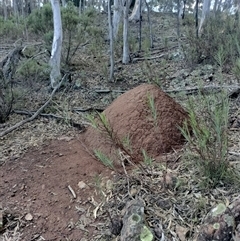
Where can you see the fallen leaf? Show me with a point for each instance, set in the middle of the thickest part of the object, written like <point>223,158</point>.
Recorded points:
<point>29,217</point>
<point>181,232</point>
<point>82,185</point>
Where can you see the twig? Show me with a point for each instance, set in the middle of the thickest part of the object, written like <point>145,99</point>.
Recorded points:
<point>72,191</point>
<point>234,153</point>
<point>10,129</point>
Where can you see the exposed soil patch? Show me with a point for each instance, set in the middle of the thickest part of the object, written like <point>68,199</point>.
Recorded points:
<point>37,184</point>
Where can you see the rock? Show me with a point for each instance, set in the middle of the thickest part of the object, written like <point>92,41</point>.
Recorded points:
<point>221,222</point>
<point>131,117</point>
<point>134,227</point>
<point>29,217</point>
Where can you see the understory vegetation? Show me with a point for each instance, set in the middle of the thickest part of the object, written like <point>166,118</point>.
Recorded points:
<point>201,72</point>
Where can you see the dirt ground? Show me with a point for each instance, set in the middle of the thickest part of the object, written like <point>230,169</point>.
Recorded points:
<point>38,185</point>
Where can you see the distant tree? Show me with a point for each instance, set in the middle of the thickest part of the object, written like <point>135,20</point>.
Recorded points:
<point>126,55</point>
<point>196,17</point>
<point>55,59</point>
<point>149,24</point>
<point>5,9</point>
<point>117,16</point>
<point>137,11</point>
<point>111,41</point>
<point>205,12</point>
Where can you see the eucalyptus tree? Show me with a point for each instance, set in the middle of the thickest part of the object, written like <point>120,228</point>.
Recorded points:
<point>55,59</point>
<point>117,16</point>
<point>137,11</point>
<point>126,55</point>
<point>111,41</point>
<point>205,13</point>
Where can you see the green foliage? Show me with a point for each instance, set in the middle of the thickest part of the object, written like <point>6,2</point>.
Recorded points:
<point>11,28</point>
<point>148,161</point>
<point>92,119</point>
<point>236,69</point>
<point>6,99</point>
<point>126,142</point>
<point>40,21</point>
<point>152,107</point>
<point>70,17</point>
<point>31,70</point>
<point>104,159</point>
<point>218,42</point>
<point>206,133</point>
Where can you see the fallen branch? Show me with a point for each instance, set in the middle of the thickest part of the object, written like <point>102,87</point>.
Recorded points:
<point>71,122</point>
<point>148,58</point>
<point>206,89</point>
<point>10,129</point>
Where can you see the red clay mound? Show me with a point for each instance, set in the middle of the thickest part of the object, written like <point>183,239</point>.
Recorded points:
<point>131,117</point>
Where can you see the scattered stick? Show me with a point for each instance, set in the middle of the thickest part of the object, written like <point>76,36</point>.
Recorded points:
<point>10,129</point>
<point>234,153</point>
<point>72,191</point>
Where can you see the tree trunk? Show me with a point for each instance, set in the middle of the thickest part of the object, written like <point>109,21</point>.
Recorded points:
<point>5,9</point>
<point>179,16</point>
<point>126,57</point>
<point>149,25</point>
<point>140,26</point>
<point>55,59</point>
<point>15,8</point>
<point>117,16</point>
<point>205,12</point>
<point>196,18</point>
<point>111,42</point>
<point>64,4</point>
<point>215,6</point>
<point>136,11</point>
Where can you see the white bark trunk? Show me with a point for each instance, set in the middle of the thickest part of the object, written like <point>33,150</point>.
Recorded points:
<point>5,9</point>
<point>117,16</point>
<point>205,11</point>
<point>126,57</point>
<point>55,59</point>
<point>136,11</point>
<point>64,4</point>
<point>111,41</point>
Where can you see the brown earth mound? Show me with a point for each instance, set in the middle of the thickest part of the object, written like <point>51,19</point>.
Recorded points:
<point>132,118</point>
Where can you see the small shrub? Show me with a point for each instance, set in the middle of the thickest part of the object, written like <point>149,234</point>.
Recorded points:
<point>32,71</point>
<point>11,28</point>
<point>218,43</point>
<point>206,133</point>
<point>40,21</point>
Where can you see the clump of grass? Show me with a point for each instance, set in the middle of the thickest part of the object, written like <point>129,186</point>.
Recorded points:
<point>93,122</point>
<point>104,159</point>
<point>148,161</point>
<point>207,135</point>
<point>152,107</point>
<point>126,142</point>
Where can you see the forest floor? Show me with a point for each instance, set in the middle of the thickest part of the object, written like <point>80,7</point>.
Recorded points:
<point>52,186</point>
